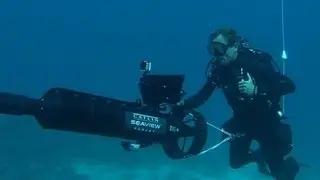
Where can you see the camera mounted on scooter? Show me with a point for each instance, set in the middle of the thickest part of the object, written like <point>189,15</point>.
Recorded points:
<point>158,89</point>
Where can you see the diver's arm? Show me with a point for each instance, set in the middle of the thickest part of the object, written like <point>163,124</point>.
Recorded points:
<point>202,96</point>
<point>272,83</point>
<point>282,86</point>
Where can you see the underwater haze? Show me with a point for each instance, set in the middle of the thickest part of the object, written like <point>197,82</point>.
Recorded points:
<point>96,46</point>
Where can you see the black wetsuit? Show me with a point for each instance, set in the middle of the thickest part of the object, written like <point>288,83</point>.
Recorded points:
<point>256,118</point>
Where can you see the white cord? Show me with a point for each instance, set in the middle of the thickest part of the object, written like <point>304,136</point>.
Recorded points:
<point>215,146</point>
<point>219,129</point>
<point>284,53</point>
<point>282,27</point>
<point>230,136</point>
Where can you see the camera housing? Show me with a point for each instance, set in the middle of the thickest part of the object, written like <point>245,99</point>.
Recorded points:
<point>158,89</point>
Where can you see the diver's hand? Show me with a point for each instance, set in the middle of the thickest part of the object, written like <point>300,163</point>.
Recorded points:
<point>180,103</point>
<point>247,87</point>
<point>165,108</point>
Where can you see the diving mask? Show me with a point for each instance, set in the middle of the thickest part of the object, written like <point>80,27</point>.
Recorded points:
<point>217,48</point>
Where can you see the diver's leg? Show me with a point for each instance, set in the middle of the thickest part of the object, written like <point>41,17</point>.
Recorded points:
<point>239,154</point>
<point>275,144</point>
<point>257,156</point>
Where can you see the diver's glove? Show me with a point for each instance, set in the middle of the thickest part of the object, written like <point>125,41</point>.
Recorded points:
<point>247,86</point>
<point>129,146</point>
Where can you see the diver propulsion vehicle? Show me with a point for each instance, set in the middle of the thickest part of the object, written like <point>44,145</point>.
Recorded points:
<point>143,120</point>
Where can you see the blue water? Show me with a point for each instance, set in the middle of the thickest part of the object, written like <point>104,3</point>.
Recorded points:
<point>96,46</point>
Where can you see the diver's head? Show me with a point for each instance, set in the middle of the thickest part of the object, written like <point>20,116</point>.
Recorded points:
<point>222,44</point>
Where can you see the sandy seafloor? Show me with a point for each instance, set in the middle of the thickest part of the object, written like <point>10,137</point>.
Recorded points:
<point>34,154</point>
<point>88,169</point>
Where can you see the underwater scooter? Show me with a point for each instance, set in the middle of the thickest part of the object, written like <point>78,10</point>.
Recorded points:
<point>144,120</point>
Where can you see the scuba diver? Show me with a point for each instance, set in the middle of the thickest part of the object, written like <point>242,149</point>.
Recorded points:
<point>253,87</point>
<point>143,121</point>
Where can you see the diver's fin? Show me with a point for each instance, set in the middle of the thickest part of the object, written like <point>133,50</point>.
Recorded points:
<point>291,169</point>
